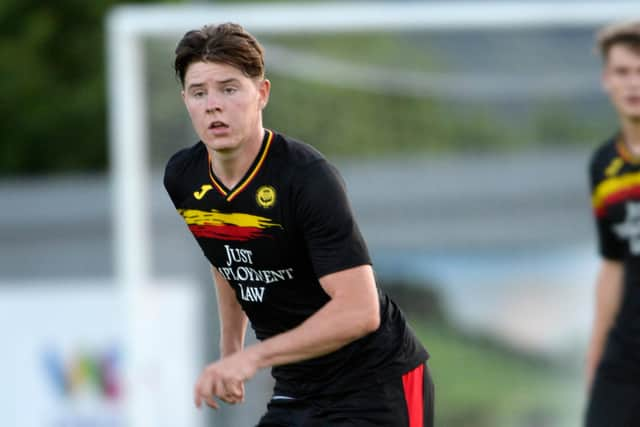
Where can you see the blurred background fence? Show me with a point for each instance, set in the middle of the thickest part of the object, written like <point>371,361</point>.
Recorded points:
<point>464,152</point>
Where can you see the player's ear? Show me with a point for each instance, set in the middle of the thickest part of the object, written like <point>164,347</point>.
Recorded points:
<point>182,95</point>
<point>605,79</point>
<point>264,89</point>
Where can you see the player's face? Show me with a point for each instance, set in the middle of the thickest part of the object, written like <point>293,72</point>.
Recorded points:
<point>225,106</point>
<point>621,80</point>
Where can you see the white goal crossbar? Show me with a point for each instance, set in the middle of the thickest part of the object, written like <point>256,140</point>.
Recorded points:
<point>128,25</point>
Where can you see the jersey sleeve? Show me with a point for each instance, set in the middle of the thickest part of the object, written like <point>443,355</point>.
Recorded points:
<point>173,177</point>
<point>325,218</point>
<point>609,245</point>
<point>169,181</point>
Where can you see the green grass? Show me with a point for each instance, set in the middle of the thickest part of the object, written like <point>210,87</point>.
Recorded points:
<point>482,384</point>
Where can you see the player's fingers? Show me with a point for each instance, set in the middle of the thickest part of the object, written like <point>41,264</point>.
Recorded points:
<point>217,389</point>
<point>202,389</point>
<point>211,402</point>
<point>237,391</point>
<point>196,395</point>
<point>227,398</point>
<point>232,399</point>
<point>234,388</point>
<point>242,392</point>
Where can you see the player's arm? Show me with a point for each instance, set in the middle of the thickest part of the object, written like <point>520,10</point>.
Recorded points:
<point>213,382</point>
<point>233,320</point>
<point>340,259</point>
<point>609,291</point>
<point>352,312</point>
<point>609,281</point>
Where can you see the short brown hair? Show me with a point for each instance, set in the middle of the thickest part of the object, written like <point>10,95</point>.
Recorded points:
<point>626,33</point>
<point>226,43</point>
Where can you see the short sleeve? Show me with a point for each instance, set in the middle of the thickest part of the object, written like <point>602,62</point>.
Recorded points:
<point>176,174</point>
<point>170,181</point>
<point>610,246</point>
<point>324,216</point>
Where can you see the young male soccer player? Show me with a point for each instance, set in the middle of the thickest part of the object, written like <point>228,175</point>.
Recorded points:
<point>272,218</point>
<point>613,360</point>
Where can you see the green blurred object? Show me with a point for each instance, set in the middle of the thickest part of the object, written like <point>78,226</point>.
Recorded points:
<point>53,85</point>
<point>481,383</point>
<point>351,95</point>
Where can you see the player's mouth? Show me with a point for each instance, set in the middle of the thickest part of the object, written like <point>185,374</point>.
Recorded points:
<point>218,127</point>
<point>633,99</point>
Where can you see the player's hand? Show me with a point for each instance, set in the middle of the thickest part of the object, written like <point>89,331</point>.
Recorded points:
<point>224,380</point>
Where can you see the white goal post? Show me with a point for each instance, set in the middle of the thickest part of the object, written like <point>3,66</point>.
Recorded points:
<point>128,135</point>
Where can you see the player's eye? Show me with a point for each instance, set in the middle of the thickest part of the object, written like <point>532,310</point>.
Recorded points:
<point>621,71</point>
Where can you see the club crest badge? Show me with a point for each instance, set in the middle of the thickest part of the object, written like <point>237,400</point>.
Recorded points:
<point>266,196</point>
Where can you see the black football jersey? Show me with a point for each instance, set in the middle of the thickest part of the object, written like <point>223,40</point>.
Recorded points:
<point>615,196</point>
<point>287,223</point>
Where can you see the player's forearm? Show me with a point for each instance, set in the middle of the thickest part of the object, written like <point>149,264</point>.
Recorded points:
<point>233,324</point>
<point>594,352</point>
<point>233,320</point>
<point>232,334</point>
<point>602,324</point>
<point>332,327</point>
<point>609,289</point>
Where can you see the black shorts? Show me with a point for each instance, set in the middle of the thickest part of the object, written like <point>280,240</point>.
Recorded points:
<point>614,400</point>
<point>404,402</point>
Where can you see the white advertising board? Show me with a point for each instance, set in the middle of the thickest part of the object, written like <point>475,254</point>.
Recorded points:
<point>62,358</point>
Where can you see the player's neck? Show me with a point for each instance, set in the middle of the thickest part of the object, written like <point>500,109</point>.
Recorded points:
<point>631,135</point>
<point>231,166</point>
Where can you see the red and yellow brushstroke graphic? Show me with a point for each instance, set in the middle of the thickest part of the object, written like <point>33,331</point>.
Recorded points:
<point>615,189</point>
<point>226,226</point>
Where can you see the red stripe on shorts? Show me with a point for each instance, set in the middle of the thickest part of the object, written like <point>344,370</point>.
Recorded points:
<point>413,383</point>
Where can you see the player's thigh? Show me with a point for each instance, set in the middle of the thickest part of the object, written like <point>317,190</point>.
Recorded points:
<point>380,406</point>
<point>285,413</point>
<point>386,405</point>
<point>613,403</point>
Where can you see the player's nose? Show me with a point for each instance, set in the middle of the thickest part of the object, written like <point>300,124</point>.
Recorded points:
<point>213,103</point>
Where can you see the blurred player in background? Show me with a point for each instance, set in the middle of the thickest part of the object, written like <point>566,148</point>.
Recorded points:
<point>271,216</point>
<point>613,359</point>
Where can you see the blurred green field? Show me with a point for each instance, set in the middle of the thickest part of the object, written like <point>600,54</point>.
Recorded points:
<point>482,384</point>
